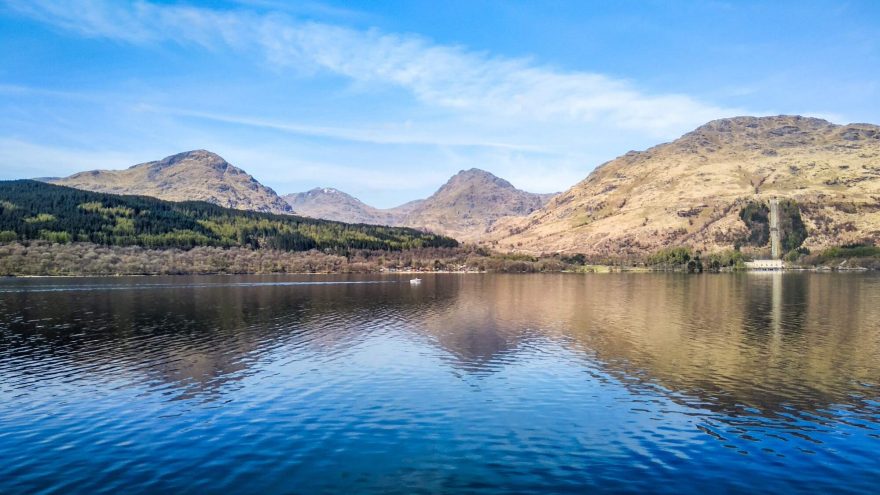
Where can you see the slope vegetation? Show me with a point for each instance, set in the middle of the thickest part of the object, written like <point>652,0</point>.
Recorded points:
<point>32,210</point>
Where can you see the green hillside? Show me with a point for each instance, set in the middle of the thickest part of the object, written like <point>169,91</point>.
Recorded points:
<point>31,210</point>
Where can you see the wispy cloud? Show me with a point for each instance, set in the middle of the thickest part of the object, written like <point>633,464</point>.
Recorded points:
<point>375,134</point>
<point>442,76</point>
<point>357,177</point>
<point>312,9</point>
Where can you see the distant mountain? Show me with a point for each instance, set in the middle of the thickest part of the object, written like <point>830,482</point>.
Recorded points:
<point>464,208</point>
<point>701,189</point>
<point>470,203</point>
<point>191,176</point>
<point>332,204</point>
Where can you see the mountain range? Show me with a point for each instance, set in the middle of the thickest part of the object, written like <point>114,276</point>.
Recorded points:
<point>465,207</point>
<point>694,191</point>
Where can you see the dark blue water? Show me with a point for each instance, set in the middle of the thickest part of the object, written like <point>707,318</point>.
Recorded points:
<point>464,384</point>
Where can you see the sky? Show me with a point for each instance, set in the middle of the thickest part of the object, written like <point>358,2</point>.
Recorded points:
<point>386,100</point>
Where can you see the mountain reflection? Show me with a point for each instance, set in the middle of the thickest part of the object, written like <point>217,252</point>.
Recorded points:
<point>726,343</point>
<point>768,342</point>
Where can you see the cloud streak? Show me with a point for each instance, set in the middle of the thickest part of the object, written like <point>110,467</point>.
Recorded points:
<point>388,134</point>
<point>473,84</point>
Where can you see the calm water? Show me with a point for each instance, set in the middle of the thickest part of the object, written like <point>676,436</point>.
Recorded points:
<point>465,384</point>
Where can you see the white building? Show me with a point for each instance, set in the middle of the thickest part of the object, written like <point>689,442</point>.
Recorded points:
<point>765,265</point>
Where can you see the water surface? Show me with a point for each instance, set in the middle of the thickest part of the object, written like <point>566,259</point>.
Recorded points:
<point>463,384</point>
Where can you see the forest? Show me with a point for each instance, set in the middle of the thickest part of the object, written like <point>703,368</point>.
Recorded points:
<point>32,210</point>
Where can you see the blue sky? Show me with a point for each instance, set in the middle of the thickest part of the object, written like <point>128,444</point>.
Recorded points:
<point>386,100</point>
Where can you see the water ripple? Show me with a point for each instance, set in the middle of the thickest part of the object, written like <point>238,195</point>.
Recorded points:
<point>478,384</point>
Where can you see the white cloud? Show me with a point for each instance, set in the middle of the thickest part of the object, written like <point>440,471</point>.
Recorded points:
<point>384,134</point>
<point>448,77</point>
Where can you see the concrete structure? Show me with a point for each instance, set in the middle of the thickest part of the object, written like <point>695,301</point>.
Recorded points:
<point>775,240</point>
<point>765,265</point>
<point>774,263</point>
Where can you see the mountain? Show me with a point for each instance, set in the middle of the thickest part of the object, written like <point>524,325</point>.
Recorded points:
<point>332,204</point>
<point>464,208</point>
<point>709,187</point>
<point>191,176</point>
<point>469,204</point>
<point>35,210</point>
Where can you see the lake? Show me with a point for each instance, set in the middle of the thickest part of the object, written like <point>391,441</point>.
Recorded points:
<point>663,383</point>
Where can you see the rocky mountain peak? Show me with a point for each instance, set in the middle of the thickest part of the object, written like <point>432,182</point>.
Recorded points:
<point>194,157</point>
<point>475,177</point>
<point>772,122</point>
<point>777,130</point>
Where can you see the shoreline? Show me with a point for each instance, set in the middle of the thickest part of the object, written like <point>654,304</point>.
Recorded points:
<point>42,259</point>
<point>609,269</point>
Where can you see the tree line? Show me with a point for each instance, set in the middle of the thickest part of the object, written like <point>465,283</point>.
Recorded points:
<point>32,210</point>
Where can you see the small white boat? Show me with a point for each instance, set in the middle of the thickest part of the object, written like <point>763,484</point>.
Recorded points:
<point>415,281</point>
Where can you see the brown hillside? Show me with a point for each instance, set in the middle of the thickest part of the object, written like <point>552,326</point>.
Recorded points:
<point>691,191</point>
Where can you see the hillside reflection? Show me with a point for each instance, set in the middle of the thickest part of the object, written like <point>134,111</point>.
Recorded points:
<point>727,343</point>
<point>766,342</point>
<point>770,343</point>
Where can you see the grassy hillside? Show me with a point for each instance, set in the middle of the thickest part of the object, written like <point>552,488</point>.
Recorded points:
<point>31,210</point>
